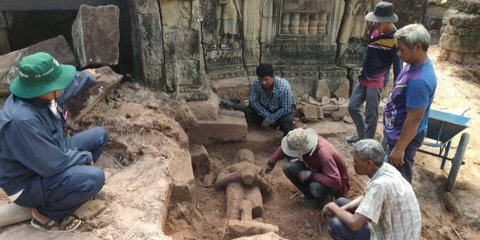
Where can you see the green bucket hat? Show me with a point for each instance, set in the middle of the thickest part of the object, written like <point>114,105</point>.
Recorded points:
<point>40,73</point>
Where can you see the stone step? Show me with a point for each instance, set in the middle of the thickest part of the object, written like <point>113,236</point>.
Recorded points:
<point>224,129</point>
<point>233,87</point>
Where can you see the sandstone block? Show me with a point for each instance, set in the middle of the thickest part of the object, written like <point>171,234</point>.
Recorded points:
<point>96,35</point>
<point>236,88</point>
<point>236,228</point>
<point>340,114</point>
<point>57,47</point>
<point>342,90</point>
<point>469,6</point>
<point>86,99</point>
<point>322,89</point>
<point>463,44</point>
<point>310,113</point>
<point>465,20</point>
<point>205,110</point>
<point>224,129</point>
<point>200,160</point>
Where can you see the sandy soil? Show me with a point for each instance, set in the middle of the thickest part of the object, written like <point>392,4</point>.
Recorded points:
<point>453,215</point>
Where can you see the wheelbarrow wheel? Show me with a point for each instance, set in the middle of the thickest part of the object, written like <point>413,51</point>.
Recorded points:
<point>457,161</point>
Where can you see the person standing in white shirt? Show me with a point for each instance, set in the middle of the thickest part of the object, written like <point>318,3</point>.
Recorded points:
<point>389,207</point>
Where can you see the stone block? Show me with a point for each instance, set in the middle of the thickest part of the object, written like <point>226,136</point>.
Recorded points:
<point>182,179</point>
<point>88,98</point>
<point>183,71</point>
<point>57,47</point>
<point>462,44</point>
<point>235,87</point>
<point>200,160</point>
<point>205,110</point>
<point>12,213</point>
<point>340,114</point>
<point>465,20</point>
<point>310,113</point>
<point>468,6</point>
<point>342,90</point>
<point>96,35</point>
<point>237,228</point>
<point>147,35</point>
<point>322,89</point>
<point>224,129</point>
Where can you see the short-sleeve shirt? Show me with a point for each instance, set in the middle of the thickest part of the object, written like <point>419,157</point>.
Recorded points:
<point>414,88</point>
<point>391,206</point>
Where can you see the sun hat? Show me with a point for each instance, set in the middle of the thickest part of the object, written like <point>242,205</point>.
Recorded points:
<point>299,141</point>
<point>40,73</point>
<point>383,13</point>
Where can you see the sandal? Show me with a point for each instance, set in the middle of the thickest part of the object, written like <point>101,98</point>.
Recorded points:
<point>69,224</point>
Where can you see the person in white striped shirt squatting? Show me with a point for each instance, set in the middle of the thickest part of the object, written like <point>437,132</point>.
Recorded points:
<point>387,210</point>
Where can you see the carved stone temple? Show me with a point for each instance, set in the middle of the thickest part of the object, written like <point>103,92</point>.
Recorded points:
<point>191,46</point>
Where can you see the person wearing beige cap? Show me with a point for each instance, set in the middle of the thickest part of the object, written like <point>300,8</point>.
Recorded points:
<point>320,174</point>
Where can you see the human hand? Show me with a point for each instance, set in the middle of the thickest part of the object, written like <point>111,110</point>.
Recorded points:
<point>326,211</point>
<point>304,175</point>
<point>93,72</point>
<point>268,168</point>
<point>396,157</point>
<point>265,124</point>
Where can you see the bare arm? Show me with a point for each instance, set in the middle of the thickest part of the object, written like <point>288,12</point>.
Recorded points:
<point>353,221</point>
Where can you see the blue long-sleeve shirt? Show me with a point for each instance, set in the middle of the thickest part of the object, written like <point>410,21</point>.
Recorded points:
<point>32,139</point>
<point>274,105</point>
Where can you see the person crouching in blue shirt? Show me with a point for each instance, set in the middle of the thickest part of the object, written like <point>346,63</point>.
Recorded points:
<point>271,101</point>
<point>40,168</point>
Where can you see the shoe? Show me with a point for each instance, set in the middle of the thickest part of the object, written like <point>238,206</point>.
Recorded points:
<point>351,139</point>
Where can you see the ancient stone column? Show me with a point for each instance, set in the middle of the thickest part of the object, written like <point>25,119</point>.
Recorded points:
<point>322,23</point>
<point>303,27</point>
<point>313,24</point>
<point>294,23</point>
<point>285,23</point>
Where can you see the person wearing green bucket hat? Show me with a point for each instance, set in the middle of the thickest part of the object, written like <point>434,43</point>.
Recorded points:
<point>40,168</point>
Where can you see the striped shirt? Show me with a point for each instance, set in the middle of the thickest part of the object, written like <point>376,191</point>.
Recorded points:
<point>274,105</point>
<point>391,206</point>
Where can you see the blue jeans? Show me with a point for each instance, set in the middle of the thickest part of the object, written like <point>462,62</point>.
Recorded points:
<point>285,123</point>
<point>310,189</point>
<point>409,155</point>
<point>59,196</point>
<point>340,231</point>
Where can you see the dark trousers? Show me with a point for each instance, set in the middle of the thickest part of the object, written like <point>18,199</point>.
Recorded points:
<point>285,123</point>
<point>61,195</point>
<point>310,189</point>
<point>340,231</point>
<point>365,121</point>
<point>409,155</point>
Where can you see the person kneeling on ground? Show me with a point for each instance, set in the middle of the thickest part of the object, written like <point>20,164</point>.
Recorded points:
<point>39,167</point>
<point>389,204</point>
<point>321,175</point>
<point>271,101</point>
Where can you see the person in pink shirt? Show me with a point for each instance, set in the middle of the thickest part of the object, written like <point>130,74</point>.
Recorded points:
<point>315,168</point>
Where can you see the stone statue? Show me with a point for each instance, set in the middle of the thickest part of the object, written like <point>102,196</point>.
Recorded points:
<point>227,13</point>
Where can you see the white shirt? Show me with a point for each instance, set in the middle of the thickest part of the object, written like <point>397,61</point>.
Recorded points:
<point>391,206</point>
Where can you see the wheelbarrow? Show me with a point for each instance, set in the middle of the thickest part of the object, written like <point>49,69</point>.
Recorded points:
<point>442,128</point>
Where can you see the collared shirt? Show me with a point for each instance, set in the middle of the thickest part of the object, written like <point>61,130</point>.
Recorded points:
<point>391,206</point>
<point>326,164</point>
<point>274,105</point>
